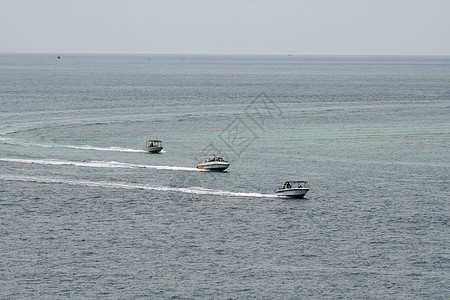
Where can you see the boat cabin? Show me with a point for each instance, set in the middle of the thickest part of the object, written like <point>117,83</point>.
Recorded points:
<point>153,143</point>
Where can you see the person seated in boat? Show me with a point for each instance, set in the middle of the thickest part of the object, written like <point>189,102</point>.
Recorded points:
<point>151,144</point>
<point>300,185</point>
<point>288,185</point>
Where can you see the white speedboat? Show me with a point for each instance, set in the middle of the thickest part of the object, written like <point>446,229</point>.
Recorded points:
<point>293,189</point>
<point>213,163</point>
<point>153,146</point>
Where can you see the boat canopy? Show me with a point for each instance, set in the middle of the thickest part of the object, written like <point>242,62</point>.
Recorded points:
<point>157,141</point>
<point>297,181</point>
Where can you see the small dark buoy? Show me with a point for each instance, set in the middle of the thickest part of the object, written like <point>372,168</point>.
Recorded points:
<point>59,57</point>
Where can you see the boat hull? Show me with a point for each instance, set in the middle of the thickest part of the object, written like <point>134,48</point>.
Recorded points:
<point>292,193</point>
<point>153,149</point>
<point>217,167</point>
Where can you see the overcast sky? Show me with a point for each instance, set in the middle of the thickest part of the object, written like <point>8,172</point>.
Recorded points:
<point>410,27</point>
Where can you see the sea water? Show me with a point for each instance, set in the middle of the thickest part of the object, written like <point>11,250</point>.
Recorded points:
<point>86,213</point>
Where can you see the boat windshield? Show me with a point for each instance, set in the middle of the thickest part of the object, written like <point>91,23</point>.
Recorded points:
<point>214,158</point>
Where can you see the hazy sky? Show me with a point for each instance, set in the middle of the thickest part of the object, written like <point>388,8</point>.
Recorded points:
<point>412,27</point>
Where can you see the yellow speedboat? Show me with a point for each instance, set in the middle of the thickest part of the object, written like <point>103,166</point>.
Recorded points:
<point>213,163</point>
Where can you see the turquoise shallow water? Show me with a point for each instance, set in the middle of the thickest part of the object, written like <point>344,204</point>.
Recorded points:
<point>86,213</point>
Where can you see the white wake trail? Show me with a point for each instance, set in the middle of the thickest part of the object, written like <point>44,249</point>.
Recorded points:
<point>87,147</point>
<point>129,186</point>
<point>78,147</point>
<point>96,164</point>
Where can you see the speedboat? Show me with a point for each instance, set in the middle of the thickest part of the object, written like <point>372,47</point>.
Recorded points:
<point>213,163</point>
<point>153,146</point>
<point>293,189</point>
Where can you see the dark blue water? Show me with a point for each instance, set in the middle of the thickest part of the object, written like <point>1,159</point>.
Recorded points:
<point>86,213</point>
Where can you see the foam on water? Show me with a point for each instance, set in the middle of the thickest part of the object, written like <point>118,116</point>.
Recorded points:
<point>87,147</point>
<point>96,164</point>
<point>79,147</point>
<point>130,186</point>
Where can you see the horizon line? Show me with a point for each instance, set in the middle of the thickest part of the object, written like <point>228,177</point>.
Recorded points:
<point>212,54</point>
